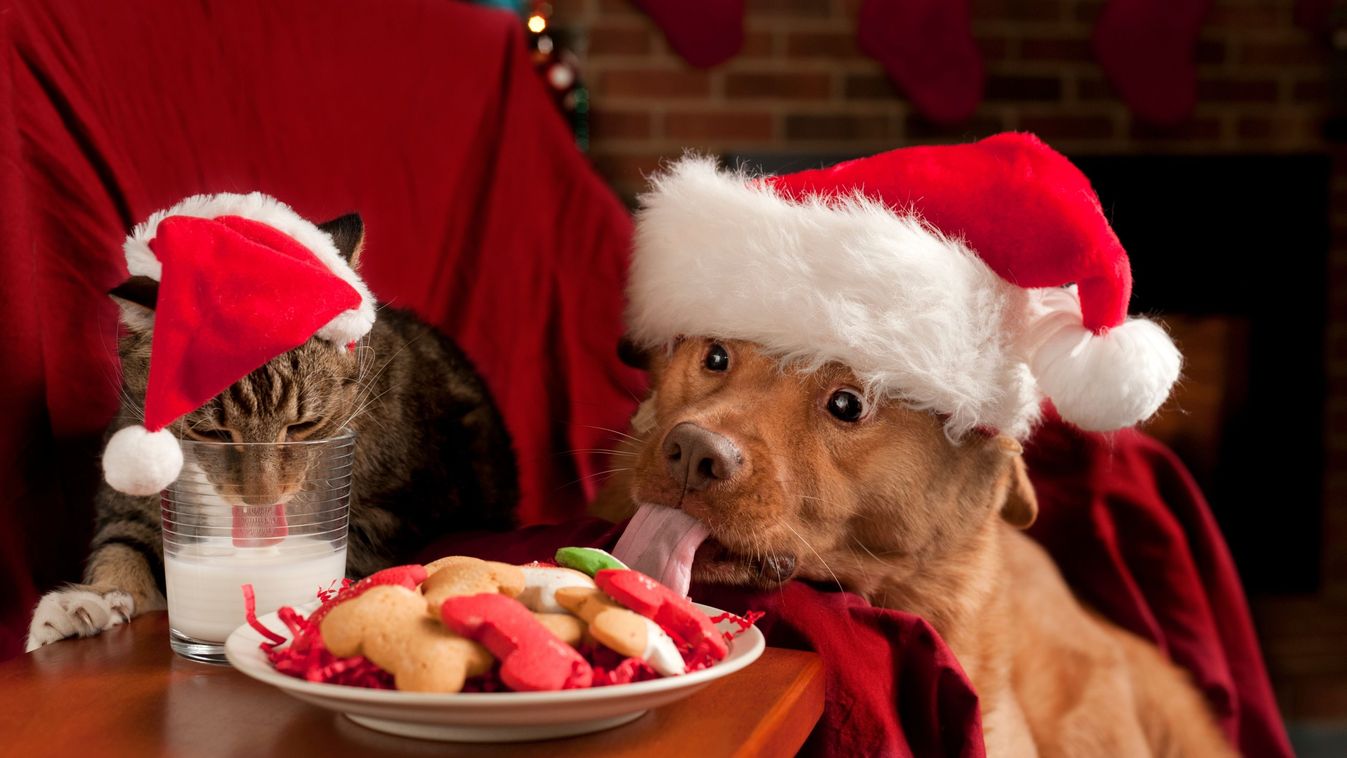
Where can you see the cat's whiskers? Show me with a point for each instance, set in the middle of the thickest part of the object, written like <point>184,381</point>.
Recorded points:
<point>369,385</point>
<point>367,403</point>
<point>365,356</point>
<point>128,403</point>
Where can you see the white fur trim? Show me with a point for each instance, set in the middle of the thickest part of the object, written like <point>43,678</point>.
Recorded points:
<point>914,314</point>
<point>140,462</point>
<point>1100,382</point>
<point>344,328</point>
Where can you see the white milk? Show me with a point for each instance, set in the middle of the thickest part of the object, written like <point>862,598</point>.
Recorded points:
<point>205,595</point>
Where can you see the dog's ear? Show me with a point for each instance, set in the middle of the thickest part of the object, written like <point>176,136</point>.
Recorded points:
<point>633,355</point>
<point>1020,507</point>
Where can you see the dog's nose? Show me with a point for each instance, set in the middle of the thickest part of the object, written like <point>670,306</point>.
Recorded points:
<point>699,457</point>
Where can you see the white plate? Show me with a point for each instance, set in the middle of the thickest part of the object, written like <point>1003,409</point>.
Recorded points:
<point>490,716</point>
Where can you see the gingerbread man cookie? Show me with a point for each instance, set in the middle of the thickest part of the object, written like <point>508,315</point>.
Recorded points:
<point>461,575</point>
<point>388,625</point>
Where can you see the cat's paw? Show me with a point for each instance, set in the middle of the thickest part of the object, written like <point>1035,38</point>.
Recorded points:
<point>77,611</point>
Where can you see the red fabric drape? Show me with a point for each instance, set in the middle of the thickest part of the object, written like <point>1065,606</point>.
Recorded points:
<point>423,115</point>
<point>1135,538</point>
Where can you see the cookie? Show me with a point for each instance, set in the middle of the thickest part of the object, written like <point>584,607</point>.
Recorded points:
<point>542,582</point>
<point>590,560</point>
<point>623,631</point>
<point>461,575</point>
<point>672,612</point>
<point>531,657</point>
<point>408,576</point>
<point>388,625</point>
<point>569,629</point>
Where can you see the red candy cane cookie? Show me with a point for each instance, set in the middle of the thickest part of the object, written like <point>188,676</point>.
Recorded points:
<point>675,613</point>
<point>531,657</point>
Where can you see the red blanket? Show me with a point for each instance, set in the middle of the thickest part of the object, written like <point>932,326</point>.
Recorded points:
<point>1132,535</point>
<point>424,115</point>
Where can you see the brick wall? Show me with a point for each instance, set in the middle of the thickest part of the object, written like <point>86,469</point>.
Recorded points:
<point>800,85</point>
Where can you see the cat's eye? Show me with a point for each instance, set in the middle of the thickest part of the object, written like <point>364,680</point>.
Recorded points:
<point>301,430</point>
<point>717,358</point>
<point>210,435</point>
<point>846,405</point>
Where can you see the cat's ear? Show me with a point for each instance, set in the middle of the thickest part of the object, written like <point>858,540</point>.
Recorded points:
<point>137,297</point>
<point>348,233</point>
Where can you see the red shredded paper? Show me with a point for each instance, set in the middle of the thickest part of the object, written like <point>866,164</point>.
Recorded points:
<point>743,622</point>
<point>305,657</point>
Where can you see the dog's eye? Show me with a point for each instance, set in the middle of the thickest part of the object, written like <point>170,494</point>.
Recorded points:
<point>846,405</point>
<point>716,359</point>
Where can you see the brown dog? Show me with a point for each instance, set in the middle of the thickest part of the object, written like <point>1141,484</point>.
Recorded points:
<point>800,475</point>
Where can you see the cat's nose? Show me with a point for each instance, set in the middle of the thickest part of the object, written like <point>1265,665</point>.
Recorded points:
<point>253,495</point>
<point>698,457</point>
<point>261,485</point>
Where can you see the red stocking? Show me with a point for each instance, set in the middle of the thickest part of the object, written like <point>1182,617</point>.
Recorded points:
<point>1147,50</point>
<point>1315,15</point>
<point>703,32</point>
<point>927,50</point>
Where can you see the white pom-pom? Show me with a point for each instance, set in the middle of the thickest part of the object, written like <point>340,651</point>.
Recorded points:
<point>1102,382</point>
<point>348,326</point>
<point>140,462</point>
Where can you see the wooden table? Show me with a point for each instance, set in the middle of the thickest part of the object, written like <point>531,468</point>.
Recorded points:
<point>126,693</point>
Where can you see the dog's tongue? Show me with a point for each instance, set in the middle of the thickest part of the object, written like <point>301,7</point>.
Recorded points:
<point>660,543</point>
<point>259,525</point>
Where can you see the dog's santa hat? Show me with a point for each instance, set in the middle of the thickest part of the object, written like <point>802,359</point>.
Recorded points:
<point>241,280</point>
<point>937,274</point>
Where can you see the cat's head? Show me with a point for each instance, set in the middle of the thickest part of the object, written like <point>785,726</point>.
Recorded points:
<point>309,393</point>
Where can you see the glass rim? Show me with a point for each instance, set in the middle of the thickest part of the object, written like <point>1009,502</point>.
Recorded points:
<point>330,536</point>
<point>178,527</point>
<point>208,488</point>
<point>347,435</point>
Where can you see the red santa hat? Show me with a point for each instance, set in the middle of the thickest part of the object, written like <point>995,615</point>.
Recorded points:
<point>242,279</point>
<point>937,274</point>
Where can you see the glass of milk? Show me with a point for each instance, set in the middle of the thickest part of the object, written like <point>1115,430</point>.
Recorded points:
<point>271,515</point>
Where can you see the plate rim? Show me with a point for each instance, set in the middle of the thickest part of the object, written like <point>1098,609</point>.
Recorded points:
<point>245,656</point>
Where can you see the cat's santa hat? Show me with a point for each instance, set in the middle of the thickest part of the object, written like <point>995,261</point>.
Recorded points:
<point>937,274</point>
<point>242,279</point>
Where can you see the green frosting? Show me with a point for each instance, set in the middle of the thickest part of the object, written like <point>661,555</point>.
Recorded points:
<point>587,559</point>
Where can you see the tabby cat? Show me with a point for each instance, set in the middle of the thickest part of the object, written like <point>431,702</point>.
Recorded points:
<point>432,454</point>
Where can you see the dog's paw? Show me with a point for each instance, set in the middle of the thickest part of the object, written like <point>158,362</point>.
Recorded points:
<point>77,611</point>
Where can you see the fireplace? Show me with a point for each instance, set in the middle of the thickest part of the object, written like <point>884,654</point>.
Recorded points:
<point>1232,251</point>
